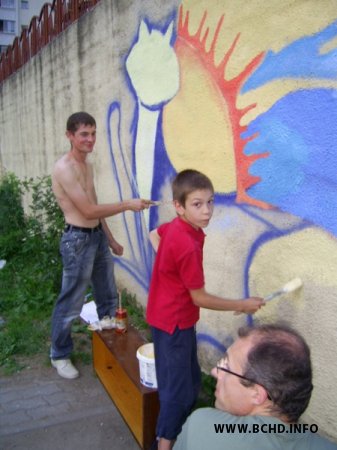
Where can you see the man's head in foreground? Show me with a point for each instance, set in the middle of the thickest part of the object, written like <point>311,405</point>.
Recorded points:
<point>267,371</point>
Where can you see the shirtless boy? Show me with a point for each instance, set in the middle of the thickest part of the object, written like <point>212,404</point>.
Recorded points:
<point>85,241</point>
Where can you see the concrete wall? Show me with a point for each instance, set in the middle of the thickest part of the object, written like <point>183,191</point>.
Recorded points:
<point>244,91</point>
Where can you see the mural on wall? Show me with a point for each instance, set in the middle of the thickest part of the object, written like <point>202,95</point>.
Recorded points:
<point>265,135</point>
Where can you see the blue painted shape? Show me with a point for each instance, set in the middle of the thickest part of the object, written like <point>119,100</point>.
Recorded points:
<point>300,59</point>
<point>299,175</point>
<point>210,340</point>
<point>140,264</point>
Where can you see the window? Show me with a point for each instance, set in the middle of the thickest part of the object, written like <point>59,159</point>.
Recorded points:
<point>7,26</point>
<point>7,3</point>
<point>24,4</point>
<point>3,48</point>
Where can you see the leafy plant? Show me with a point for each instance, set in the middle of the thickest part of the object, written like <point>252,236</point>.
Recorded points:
<point>31,277</point>
<point>12,219</point>
<point>206,395</point>
<point>135,313</point>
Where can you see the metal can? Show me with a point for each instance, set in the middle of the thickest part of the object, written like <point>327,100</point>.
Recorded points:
<point>121,321</point>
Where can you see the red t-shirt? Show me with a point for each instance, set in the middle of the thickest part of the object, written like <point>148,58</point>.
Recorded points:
<point>177,269</point>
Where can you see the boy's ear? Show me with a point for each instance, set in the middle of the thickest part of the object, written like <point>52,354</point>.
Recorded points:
<point>180,210</point>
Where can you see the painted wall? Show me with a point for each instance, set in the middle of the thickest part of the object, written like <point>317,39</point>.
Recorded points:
<point>245,92</point>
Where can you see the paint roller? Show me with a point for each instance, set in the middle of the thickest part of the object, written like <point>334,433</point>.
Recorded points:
<point>289,287</point>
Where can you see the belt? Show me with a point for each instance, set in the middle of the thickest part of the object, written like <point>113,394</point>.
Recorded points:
<point>69,227</point>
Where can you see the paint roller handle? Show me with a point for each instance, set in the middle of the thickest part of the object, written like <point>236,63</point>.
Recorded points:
<point>161,202</point>
<point>273,295</point>
<point>291,286</point>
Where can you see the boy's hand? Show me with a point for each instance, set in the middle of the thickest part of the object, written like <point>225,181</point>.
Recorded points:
<point>250,305</point>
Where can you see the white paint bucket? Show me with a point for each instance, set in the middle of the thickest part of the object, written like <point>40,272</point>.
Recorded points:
<point>147,369</point>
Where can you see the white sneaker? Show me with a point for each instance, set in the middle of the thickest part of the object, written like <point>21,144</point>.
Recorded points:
<point>107,323</point>
<point>65,368</point>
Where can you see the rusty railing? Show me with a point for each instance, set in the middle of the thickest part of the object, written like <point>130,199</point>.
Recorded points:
<point>54,18</point>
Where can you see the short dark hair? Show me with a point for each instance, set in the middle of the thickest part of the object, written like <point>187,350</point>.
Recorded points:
<point>79,118</point>
<point>187,181</point>
<point>280,361</point>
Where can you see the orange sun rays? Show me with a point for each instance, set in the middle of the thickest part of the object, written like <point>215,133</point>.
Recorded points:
<point>230,91</point>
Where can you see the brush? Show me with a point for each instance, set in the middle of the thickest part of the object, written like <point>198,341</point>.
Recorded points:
<point>291,286</point>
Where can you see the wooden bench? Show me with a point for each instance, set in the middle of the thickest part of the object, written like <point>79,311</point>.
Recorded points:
<point>116,364</point>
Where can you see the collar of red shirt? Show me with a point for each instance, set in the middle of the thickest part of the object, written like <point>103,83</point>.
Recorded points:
<point>198,233</point>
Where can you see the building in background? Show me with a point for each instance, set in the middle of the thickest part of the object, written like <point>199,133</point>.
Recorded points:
<point>15,15</point>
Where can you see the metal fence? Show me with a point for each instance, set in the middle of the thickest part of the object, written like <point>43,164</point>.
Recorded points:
<point>54,18</point>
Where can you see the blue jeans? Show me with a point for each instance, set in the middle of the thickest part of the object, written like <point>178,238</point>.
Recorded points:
<point>86,260</point>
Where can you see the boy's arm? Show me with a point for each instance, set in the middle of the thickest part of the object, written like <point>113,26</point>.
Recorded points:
<point>203,299</point>
<point>154,239</point>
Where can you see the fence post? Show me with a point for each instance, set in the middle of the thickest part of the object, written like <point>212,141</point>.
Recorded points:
<point>16,54</point>
<point>24,47</point>
<point>2,66</point>
<point>74,10</point>
<point>44,25</point>
<point>57,6</point>
<point>9,61</point>
<point>33,36</point>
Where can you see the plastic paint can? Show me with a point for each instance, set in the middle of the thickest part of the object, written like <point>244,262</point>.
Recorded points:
<point>147,368</point>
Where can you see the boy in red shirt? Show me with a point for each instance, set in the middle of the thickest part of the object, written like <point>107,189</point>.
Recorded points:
<point>176,294</point>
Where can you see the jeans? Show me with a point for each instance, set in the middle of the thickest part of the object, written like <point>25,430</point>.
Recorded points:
<point>86,260</point>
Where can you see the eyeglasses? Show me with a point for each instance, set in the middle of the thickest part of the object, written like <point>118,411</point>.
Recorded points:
<point>223,361</point>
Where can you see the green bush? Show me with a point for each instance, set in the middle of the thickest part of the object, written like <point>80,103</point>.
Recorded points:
<point>31,278</point>
<point>12,219</point>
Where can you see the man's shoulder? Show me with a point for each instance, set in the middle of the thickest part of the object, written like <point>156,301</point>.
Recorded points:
<point>321,443</point>
<point>207,428</point>
<point>211,414</point>
<point>221,429</point>
<point>61,163</point>
<point>68,165</point>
